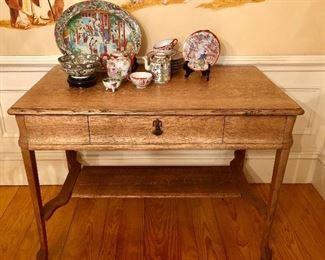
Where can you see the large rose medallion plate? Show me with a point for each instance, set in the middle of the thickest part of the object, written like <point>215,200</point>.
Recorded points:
<point>201,49</point>
<point>97,27</point>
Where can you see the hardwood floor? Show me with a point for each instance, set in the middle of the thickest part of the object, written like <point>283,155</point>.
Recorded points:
<point>164,228</point>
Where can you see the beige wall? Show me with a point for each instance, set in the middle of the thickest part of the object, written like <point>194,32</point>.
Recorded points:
<point>273,27</point>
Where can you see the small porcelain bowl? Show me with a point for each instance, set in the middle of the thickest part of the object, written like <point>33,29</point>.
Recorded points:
<point>141,79</point>
<point>79,66</point>
<point>111,84</point>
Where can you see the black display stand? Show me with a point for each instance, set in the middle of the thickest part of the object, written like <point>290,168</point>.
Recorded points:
<point>188,71</point>
<point>82,83</point>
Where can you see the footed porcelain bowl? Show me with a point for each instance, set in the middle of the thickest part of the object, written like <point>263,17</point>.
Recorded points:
<point>111,84</point>
<point>79,66</point>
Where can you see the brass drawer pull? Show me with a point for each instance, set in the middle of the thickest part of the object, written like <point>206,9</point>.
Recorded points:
<point>157,124</point>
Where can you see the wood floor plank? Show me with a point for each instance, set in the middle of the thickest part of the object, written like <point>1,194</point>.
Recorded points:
<point>284,242</point>
<point>58,228</point>
<point>108,244</point>
<point>86,231</point>
<point>310,199</point>
<point>15,222</point>
<point>240,227</point>
<point>206,229</point>
<point>314,198</point>
<point>160,229</point>
<point>29,246</point>
<point>130,238</point>
<point>186,231</point>
<point>6,195</point>
<point>304,221</point>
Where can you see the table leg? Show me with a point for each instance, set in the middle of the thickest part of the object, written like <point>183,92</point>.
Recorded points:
<point>34,187</point>
<point>65,194</point>
<point>280,164</point>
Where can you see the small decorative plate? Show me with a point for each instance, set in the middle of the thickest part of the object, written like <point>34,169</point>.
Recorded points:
<point>201,49</point>
<point>97,27</point>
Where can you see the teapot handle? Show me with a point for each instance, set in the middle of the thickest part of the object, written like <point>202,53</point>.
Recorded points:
<point>174,42</point>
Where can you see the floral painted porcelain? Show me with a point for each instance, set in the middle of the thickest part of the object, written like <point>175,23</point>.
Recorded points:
<point>159,65</point>
<point>166,46</point>
<point>201,49</point>
<point>79,66</point>
<point>141,79</point>
<point>97,27</point>
<point>111,84</point>
<point>118,66</point>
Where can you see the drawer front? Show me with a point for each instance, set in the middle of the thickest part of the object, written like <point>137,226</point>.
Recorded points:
<point>138,130</point>
<point>254,129</point>
<point>57,129</point>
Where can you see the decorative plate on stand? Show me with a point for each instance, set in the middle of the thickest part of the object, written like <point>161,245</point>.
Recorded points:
<point>97,27</point>
<point>201,49</point>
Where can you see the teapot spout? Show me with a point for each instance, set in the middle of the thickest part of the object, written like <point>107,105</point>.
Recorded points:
<point>146,63</point>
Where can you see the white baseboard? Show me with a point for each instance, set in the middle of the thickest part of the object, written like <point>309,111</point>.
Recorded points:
<point>259,164</point>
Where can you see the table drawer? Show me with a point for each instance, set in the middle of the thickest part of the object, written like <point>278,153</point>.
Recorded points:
<point>57,129</point>
<point>254,129</point>
<point>138,129</point>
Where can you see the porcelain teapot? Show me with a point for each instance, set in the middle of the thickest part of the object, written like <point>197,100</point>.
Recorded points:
<point>118,66</point>
<point>158,63</point>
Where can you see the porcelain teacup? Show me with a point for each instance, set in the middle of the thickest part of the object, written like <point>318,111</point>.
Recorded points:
<point>141,79</point>
<point>165,45</point>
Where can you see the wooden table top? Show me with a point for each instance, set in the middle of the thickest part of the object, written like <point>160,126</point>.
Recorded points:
<point>232,90</point>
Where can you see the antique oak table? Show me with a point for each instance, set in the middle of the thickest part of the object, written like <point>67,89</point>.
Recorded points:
<point>238,109</point>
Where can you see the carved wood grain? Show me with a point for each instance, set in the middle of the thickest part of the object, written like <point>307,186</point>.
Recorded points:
<point>57,129</point>
<point>138,130</point>
<point>287,135</point>
<point>156,147</point>
<point>23,140</point>
<point>254,129</point>
<point>232,90</point>
<point>147,182</point>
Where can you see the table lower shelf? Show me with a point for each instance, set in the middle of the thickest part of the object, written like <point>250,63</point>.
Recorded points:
<point>158,182</point>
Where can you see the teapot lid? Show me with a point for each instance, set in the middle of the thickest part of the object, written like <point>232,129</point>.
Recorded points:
<point>117,54</point>
<point>160,54</point>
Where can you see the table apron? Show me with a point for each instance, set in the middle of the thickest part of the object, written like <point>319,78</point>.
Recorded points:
<point>77,132</point>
